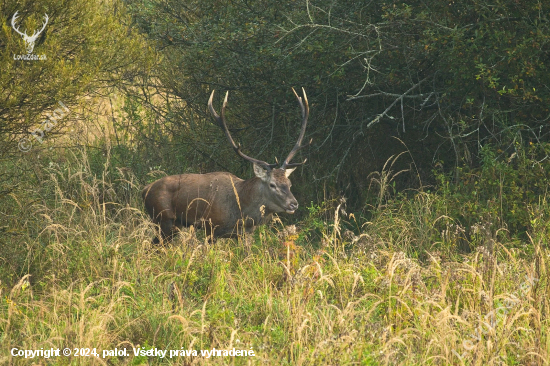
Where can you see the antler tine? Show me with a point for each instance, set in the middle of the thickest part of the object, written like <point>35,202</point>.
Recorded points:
<point>237,148</point>
<point>298,146</point>
<point>13,19</point>
<point>43,26</point>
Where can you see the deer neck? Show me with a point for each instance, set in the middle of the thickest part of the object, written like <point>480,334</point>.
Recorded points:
<point>251,199</point>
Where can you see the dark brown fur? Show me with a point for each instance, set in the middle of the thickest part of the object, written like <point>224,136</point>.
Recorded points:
<point>220,202</point>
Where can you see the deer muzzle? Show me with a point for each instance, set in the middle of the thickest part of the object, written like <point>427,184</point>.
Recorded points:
<point>292,207</point>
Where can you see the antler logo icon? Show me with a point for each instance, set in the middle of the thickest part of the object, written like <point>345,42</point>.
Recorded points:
<point>29,40</point>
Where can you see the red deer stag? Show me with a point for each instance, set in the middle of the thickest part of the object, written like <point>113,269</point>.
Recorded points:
<point>221,202</point>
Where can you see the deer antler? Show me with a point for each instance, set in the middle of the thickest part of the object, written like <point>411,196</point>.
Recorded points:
<point>298,146</point>
<point>46,18</point>
<point>237,148</point>
<point>13,19</point>
<point>29,41</point>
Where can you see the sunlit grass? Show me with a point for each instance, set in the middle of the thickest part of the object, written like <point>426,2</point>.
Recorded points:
<point>330,291</point>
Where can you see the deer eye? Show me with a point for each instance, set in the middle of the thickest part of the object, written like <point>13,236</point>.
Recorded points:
<point>272,185</point>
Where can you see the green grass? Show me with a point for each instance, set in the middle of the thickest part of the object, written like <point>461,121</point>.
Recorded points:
<point>78,271</point>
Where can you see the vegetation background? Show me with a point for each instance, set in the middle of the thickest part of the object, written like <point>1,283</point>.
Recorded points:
<point>423,230</point>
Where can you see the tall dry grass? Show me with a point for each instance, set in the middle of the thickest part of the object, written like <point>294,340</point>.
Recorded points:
<point>89,278</point>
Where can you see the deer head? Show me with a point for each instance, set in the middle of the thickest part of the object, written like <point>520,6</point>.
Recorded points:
<point>29,40</point>
<point>276,184</point>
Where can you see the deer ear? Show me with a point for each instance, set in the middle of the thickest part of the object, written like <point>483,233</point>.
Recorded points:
<point>289,171</point>
<point>260,172</point>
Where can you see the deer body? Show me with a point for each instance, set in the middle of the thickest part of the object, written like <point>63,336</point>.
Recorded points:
<point>223,204</point>
<point>220,202</point>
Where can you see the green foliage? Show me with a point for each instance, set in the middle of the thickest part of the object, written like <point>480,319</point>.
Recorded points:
<point>447,78</point>
<point>501,189</point>
<point>314,226</point>
<point>88,47</point>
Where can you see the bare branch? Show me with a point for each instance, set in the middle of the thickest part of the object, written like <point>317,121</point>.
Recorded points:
<point>377,118</point>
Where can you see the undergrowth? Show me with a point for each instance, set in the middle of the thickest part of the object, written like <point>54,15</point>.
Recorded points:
<point>421,281</point>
